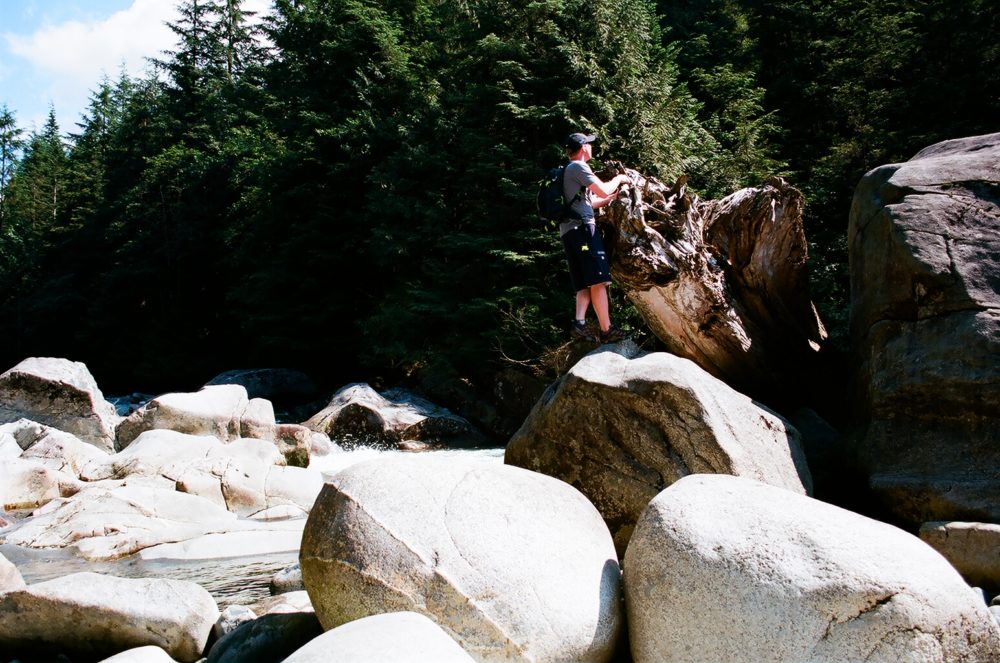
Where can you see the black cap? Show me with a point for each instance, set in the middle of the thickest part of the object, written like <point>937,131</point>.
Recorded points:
<point>576,141</point>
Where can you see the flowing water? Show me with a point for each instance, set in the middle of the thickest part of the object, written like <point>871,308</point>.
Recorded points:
<point>231,581</point>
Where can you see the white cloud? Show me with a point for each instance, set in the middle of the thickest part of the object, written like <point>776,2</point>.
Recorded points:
<point>64,62</point>
<point>81,51</point>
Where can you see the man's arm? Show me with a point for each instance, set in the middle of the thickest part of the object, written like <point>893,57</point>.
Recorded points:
<point>605,190</point>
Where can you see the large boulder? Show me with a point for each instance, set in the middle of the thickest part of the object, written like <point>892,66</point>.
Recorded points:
<point>26,484</point>
<point>246,538</point>
<point>222,411</point>
<point>621,429</point>
<point>396,637</point>
<point>471,545</point>
<point>357,414</point>
<point>725,568</point>
<point>972,548</point>
<point>267,639</point>
<point>94,615</point>
<point>295,442</point>
<point>924,243</point>
<point>274,384</point>
<point>147,654</point>
<point>167,452</point>
<point>111,523</point>
<point>10,577</point>
<point>59,393</point>
<point>246,476</point>
<point>62,451</point>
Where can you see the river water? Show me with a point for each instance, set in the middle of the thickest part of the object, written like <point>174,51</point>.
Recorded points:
<point>231,581</point>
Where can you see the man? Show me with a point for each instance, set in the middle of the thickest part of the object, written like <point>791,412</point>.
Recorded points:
<point>588,261</point>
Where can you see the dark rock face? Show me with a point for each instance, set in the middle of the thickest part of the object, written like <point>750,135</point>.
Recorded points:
<point>357,414</point>
<point>925,324</point>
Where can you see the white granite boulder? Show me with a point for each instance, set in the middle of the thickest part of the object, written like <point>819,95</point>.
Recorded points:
<point>27,484</point>
<point>297,601</point>
<point>621,426</point>
<point>10,577</point>
<point>396,637</point>
<point>63,451</point>
<point>972,548</point>
<point>221,411</point>
<point>514,565</point>
<point>104,523</point>
<point>247,537</point>
<point>58,393</point>
<point>724,568</point>
<point>246,476</point>
<point>93,615</point>
<point>147,654</point>
<point>9,448</point>
<point>287,580</point>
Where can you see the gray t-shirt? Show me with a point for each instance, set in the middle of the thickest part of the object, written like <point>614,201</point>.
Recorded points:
<point>578,179</point>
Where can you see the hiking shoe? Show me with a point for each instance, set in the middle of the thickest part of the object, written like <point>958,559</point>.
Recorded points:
<point>581,331</point>
<point>613,335</point>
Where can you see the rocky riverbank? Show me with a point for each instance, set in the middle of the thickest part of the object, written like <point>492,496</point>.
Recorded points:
<point>504,563</point>
<point>645,512</point>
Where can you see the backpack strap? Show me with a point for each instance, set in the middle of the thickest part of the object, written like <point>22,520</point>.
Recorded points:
<point>570,212</point>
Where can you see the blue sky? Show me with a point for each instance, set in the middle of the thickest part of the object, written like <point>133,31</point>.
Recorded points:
<point>55,52</point>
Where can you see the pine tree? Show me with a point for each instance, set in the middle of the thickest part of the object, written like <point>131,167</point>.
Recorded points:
<point>10,146</point>
<point>36,187</point>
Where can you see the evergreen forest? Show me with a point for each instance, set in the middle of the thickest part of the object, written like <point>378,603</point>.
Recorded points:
<point>348,187</point>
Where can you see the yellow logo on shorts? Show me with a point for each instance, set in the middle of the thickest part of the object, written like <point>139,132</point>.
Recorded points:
<point>584,248</point>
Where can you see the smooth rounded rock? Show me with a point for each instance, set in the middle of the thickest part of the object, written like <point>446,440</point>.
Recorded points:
<point>27,484</point>
<point>221,411</point>
<point>514,565</point>
<point>398,637</point>
<point>269,638</point>
<point>90,614</point>
<point>621,428</point>
<point>287,580</point>
<point>724,568</point>
<point>972,548</point>
<point>232,617</point>
<point>111,523</point>
<point>10,577</point>
<point>357,414</point>
<point>148,654</point>
<point>64,452</point>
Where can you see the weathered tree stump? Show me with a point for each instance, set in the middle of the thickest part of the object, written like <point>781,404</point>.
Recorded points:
<point>723,283</point>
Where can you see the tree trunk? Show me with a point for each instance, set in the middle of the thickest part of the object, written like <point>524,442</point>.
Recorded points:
<point>723,283</point>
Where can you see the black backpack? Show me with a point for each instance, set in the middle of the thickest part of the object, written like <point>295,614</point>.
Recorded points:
<point>552,204</point>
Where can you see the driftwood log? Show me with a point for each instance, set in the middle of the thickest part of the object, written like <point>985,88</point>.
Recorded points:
<point>724,282</point>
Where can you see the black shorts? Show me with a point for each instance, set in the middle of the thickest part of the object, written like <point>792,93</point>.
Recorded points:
<point>588,261</point>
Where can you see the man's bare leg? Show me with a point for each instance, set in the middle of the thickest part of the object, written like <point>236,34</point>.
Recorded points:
<point>582,303</point>
<point>599,300</point>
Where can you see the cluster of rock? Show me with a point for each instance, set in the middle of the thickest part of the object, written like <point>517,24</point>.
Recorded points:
<point>201,475</point>
<point>515,566</point>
